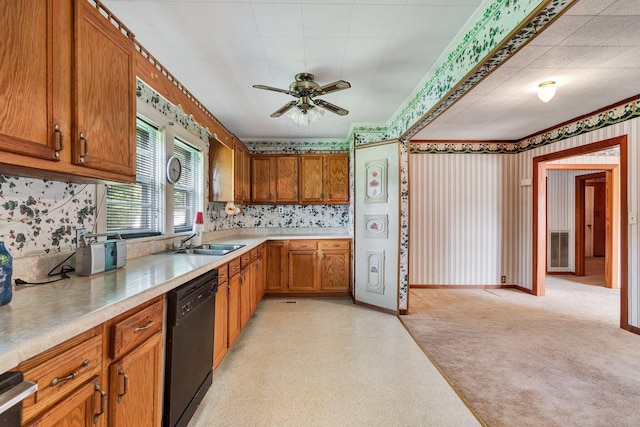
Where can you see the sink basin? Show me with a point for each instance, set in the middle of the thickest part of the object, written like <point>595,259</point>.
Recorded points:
<point>215,249</point>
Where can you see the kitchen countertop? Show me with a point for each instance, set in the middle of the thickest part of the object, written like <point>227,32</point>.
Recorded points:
<point>42,316</point>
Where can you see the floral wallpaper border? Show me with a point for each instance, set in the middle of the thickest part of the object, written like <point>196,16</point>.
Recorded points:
<point>612,116</point>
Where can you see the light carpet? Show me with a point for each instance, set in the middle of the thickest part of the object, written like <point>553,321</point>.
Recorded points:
<point>521,360</point>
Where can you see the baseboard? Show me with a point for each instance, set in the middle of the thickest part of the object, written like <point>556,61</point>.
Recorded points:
<point>561,273</point>
<point>520,288</point>
<point>373,307</point>
<point>633,329</point>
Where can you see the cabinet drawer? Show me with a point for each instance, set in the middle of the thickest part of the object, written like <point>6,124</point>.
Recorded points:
<point>254,254</point>
<point>234,267</point>
<point>335,244</point>
<point>223,273</point>
<point>245,259</point>
<point>60,375</point>
<point>303,244</point>
<point>136,328</point>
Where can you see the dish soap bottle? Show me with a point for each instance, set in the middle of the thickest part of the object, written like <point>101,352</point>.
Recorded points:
<point>6,269</point>
<point>198,225</point>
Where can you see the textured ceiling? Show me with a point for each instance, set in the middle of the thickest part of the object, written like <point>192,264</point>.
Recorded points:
<point>385,49</point>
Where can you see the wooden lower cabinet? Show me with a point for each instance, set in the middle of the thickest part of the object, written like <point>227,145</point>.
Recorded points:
<point>275,266</point>
<point>110,375</point>
<point>320,266</point>
<point>335,266</point>
<point>303,270</point>
<point>246,280</point>
<point>134,386</point>
<point>233,312</point>
<point>221,314</point>
<point>85,406</point>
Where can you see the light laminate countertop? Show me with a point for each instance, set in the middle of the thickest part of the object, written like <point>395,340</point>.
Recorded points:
<point>42,316</point>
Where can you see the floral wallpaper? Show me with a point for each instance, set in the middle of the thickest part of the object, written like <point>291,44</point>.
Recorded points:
<point>41,216</point>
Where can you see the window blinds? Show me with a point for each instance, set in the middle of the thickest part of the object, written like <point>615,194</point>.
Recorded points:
<point>133,208</point>
<point>187,190</point>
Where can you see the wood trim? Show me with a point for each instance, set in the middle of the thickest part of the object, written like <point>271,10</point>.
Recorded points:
<point>582,166</point>
<point>579,249</point>
<point>480,287</point>
<point>376,308</point>
<point>540,224</point>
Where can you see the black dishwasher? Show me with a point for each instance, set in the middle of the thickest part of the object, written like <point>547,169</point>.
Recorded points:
<point>189,350</point>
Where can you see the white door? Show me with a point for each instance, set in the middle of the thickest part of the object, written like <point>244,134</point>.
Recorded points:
<point>377,225</point>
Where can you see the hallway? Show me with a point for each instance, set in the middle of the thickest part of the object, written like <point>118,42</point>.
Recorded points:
<point>327,362</point>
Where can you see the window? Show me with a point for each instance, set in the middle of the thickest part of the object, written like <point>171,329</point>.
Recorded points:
<point>152,206</point>
<point>187,192</point>
<point>133,209</point>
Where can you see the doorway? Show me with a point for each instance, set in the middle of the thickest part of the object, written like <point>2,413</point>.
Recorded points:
<point>540,166</point>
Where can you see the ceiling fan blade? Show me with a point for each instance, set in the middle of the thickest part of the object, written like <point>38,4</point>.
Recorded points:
<point>331,107</point>
<point>332,87</point>
<point>275,89</point>
<point>286,107</point>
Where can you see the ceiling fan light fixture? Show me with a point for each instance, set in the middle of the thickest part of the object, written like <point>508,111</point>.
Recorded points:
<point>307,115</point>
<point>546,91</point>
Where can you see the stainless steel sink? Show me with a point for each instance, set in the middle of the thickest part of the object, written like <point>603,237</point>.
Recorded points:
<point>215,249</point>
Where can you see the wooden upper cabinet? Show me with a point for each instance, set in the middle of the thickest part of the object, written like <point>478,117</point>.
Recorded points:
<point>31,69</point>
<point>336,179</point>
<point>287,179</point>
<point>65,70</point>
<point>104,94</point>
<point>274,179</point>
<point>324,179</point>
<point>241,174</point>
<point>263,183</point>
<point>311,168</point>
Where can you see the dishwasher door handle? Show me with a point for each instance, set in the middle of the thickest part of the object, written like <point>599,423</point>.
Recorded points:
<point>16,394</point>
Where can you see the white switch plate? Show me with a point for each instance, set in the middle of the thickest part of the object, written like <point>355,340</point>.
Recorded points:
<point>633,218</point>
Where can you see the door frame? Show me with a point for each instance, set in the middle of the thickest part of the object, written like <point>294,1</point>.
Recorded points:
<point>539,220</point>
<point>612,225</point>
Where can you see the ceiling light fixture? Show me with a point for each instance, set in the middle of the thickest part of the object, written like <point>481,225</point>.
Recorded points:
<point>546,90</point>
<point>306,112</point>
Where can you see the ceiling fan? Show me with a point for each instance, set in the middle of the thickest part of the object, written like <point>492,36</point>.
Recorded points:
<point>305,89</point>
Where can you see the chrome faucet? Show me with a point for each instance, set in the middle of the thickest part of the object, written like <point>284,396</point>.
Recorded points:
<point>183,242</point>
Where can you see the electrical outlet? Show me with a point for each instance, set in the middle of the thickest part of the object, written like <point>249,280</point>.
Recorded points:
<point>503,279</point>
<point>79,233</point>
<point>281,210</point>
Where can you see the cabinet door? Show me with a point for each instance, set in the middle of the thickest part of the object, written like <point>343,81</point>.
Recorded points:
<point>287,179</point>
<point>258,280</point>
<point>28,59</point>
<point>311,168</point>
<point>336,179</point>
<point>263,180</point>
<point>275,266</point>
<point>104,95</point>
<point>220,327</point>
<point>303,270</point>
<point>233,319</point>
<point>237,173</point>
<point>134,398</point>
<point>246,176</point>
<point>84,407</point>
<point>245,295</point>
<point>335,270</point>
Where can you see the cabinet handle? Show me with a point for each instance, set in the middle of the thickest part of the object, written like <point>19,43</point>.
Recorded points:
<point>57,380</point>
<point>85,146</point>
<point>125,383</point>
<point>103,402</point>
<point>145,327</point>
<point>60,135</point>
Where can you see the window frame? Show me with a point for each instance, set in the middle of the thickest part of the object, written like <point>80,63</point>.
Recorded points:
<point>169,130</point>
